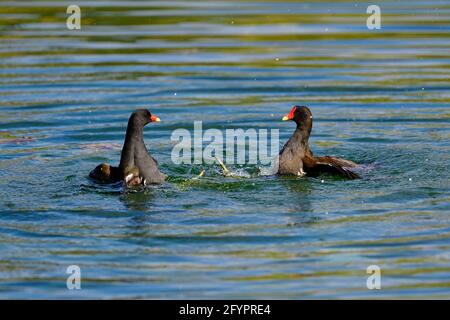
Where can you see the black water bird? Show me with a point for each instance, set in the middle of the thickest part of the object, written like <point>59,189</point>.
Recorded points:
<point>136,166</point>
<point>296,157</point>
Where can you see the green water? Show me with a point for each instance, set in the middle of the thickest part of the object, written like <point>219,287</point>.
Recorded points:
<point>379,97</point>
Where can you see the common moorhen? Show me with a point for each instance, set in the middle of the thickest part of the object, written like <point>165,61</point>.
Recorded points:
<point>296,157</point>
<point>136,166</point>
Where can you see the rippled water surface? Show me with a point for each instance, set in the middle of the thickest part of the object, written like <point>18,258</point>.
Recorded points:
<point>379,97</point>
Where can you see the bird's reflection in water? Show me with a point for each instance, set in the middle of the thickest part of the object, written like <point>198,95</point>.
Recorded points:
<point>140,204</point>
<point>140,199</point>
<point>299,208</point>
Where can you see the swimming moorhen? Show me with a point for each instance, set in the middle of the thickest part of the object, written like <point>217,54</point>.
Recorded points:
<point>296,157</point>
<point>136,165</point>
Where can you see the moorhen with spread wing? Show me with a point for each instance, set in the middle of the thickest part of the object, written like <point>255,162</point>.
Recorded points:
<point>296,157</point>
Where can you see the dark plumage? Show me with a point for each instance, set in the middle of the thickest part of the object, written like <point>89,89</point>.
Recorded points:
<point>296,157</point>
<point>136,165</point>
<point>105,173</point>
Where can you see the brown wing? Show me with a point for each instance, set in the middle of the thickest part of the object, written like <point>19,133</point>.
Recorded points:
<point>339,161</point>
<point>319,165</point>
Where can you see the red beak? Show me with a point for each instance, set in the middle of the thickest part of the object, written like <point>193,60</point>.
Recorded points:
<point>154,118</point>
<point>290,115</point>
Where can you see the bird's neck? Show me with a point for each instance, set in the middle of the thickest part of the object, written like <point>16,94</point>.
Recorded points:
<point>302,133</point>
<point>135,133</point>
<point>133,138</point>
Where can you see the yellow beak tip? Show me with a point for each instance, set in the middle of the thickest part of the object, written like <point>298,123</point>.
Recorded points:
<point>157,120</point>
<point>285,118</point>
